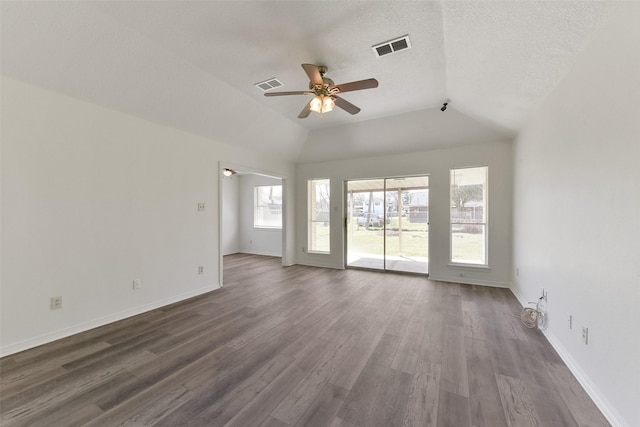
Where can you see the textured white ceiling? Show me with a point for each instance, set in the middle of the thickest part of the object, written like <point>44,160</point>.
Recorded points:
<point>192,64</point>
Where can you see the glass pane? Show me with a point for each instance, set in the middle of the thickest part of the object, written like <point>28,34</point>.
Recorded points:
<point>468,195</point>
<point>365,223</point>
<point>268,206</point>
<point>319,202</point>
<point>407,235</point>
<point>319,221</point>
<point>319,237</point>
<point>468,243</point>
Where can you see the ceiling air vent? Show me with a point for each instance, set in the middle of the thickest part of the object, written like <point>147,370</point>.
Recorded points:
<point>269,84</point>
<point>392,46</point>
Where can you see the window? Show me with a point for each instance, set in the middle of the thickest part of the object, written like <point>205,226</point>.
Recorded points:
<point>319,209</point>
<point>267,208</point>
<point>469,215</point>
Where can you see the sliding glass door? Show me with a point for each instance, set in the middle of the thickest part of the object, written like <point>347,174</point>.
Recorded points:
<point>388,224</point>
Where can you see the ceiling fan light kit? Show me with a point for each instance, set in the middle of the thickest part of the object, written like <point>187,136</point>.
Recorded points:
<point>326,92</point>
<point>322,104</point>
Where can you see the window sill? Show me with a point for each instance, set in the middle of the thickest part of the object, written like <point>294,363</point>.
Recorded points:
<point>469,266</point>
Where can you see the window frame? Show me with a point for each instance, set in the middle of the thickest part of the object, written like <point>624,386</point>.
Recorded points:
<point>310,220</point>
<point>256,206</point>
<point>484,223</point>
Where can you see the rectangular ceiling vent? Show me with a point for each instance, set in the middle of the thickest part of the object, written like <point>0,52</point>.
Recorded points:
<point>392,46</point>
<point>269,84</point>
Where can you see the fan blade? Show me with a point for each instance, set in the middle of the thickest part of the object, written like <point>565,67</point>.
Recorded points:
<point>299,92</point>
<point>314,74</point>
<point>359,85</point>
<point>346,105</point>
<point>305,111</point>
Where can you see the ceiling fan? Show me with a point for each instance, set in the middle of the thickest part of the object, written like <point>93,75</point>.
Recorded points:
<point>326,92</point>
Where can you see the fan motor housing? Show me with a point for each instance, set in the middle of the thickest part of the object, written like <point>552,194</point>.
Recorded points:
<point>326,82</point>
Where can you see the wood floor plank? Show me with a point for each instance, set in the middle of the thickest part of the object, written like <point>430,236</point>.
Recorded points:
<point>474,327</point>
<point>30,371</point>
<point>338,422</point>
<point>453,410</point>
<point>582,408</point>
<point>454,377</point>
<point>222,410</point>
<point>78,417</point>
<point>432,345</point>
<point>299,399</point>
<point>151,413</point>
<point>322,410</point>
<point>145,408</point>
<point>406,358</point>
<point>389,407</point>
<point>59,389</point>
<point>541,388</point>
<point>359,402</point>
<point>349,370</point>
<point>422,401</point>
<point>484,398</point>
<point>66,413</point>
<point>260,408</point>
<point>303,346</point>
<point>516,402</point>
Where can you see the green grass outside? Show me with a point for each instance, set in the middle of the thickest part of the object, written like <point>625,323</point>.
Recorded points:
<point>415,240</point>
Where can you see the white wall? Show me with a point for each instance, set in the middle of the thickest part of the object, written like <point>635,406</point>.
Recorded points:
<point>230,207</point>
<point>259,241</point>
<point>436,164</point>
<point>93,199</point>
<point>577,216</point>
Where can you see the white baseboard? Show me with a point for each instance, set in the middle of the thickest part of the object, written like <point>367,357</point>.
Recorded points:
<point>264,253</point>
<point>468,281</point>
<point>592,390</point>
<point>101,321</point>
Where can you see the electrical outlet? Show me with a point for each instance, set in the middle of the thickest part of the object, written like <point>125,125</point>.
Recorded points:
<point>200,269</point>
<point>570,321</point>
<point>201,207</point>
<point>56,303</point>
<point>137,283</point>
<point>585,335</point>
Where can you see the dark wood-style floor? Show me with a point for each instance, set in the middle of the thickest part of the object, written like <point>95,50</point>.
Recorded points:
<point>307,347</point>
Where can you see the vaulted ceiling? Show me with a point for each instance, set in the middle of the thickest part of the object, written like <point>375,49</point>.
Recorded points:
<point>193,65</point>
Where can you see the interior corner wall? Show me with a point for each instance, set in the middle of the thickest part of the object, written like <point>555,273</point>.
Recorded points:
<point>437,164</point>
<point>230,233</point>
<point>576,216</point>
<point>92,199</point>
<point>259,241</point>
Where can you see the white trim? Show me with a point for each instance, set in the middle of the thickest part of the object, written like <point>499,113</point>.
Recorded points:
<point>319,265</point>
<point>272,254</point>
<point>485,195</point>
<point>462,266</point>
<point>310,220</point>
<point>469,281</point>
<point>101,321</point>
<point>592,390</point>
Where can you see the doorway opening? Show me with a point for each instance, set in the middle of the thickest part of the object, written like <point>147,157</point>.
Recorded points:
<point>388,224</point>
<point>251,212</point>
